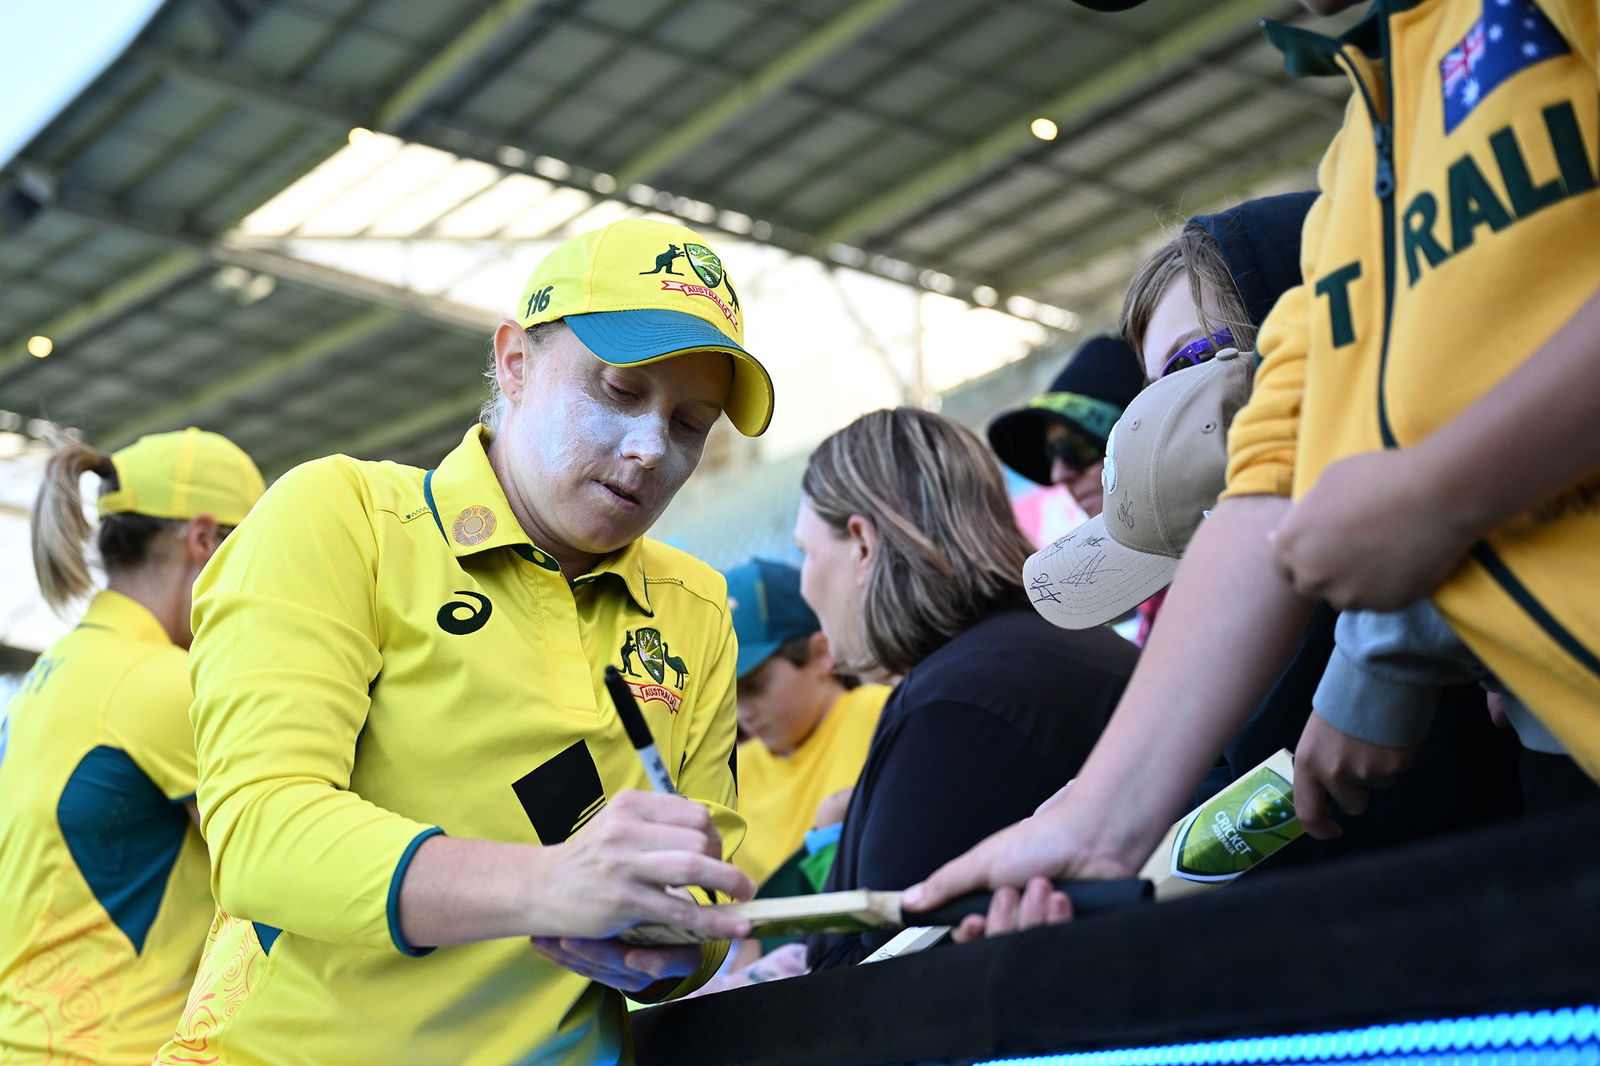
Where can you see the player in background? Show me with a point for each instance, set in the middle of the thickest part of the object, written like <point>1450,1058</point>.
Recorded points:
<point>409,762</point>
<point>104,872</point>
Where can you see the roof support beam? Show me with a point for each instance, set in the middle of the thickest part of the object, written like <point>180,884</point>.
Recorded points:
<point>175,411</point>
<point>471,144</point>
<point>406,103</point>
<point>465,320</point>
<point>795,61</point>
<point>373,442</point>
<point>284,267</point>
<point>129,292</point>
<point>1220,20</point>
<point>480,35</point>
<point>1068,253</point>
<point>247,87</point>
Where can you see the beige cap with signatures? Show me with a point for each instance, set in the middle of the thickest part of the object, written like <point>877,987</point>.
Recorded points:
<point>1166,463</point>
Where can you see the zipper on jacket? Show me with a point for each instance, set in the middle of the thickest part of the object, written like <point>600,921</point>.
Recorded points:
<point>1383,188</point>
<point>1383,138</point>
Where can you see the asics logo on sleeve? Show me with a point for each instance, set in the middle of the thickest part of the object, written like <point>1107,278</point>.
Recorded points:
<point>476,616</point>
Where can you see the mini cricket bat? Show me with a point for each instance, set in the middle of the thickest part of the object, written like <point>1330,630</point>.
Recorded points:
<point>860,910</point>
<point>1231,832</point>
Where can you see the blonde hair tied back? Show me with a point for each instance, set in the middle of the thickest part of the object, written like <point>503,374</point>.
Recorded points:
<point>59,528</point>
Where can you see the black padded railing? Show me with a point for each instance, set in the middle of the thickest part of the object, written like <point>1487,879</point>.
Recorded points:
<point>1502,919</point>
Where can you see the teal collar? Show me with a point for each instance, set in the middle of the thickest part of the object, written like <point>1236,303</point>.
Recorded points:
<point>1307,54</point>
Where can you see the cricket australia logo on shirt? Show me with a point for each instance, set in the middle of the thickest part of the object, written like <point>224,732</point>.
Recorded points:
<point>655,656</point>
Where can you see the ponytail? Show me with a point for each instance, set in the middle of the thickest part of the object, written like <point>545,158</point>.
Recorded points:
<point>60,530</point>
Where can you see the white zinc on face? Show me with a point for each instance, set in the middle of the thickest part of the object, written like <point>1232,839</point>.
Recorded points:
<point>590,454</point>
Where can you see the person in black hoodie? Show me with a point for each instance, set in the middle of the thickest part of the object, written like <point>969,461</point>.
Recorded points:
<point>913,564</point>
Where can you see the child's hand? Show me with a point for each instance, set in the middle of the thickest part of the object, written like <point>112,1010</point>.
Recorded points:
<point>1330,764</point>
<point>832,807</point>
<point>1370,535</point>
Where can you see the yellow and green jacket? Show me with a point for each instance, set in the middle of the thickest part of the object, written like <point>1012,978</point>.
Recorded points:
<point>381,655</point>
<point>102,873</point>
<point>1456,231</point>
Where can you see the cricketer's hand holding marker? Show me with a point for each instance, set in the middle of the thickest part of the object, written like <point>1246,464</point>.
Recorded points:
<point>631,961</point>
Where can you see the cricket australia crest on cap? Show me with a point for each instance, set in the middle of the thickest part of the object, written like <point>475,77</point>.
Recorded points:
<point>655,657</point>
<point>707,266</point>
<point>641,290</point>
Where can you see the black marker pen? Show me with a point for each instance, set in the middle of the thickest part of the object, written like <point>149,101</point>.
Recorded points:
<point>638,732</point>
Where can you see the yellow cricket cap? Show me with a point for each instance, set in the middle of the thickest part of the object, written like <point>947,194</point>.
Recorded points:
<point>639,291</point>
<point>184,474</point>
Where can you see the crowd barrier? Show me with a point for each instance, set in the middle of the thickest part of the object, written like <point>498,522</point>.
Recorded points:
<point>1479,949</point>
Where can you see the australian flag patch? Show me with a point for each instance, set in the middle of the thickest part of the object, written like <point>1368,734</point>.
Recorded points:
<point>1511,36</point>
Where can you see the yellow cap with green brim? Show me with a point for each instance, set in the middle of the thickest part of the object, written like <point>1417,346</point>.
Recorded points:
<point>184,474</point>
<point>639,291</point>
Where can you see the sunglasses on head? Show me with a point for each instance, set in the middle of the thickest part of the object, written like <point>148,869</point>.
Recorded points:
<point>1197,352</point>
<point>1075,449</point>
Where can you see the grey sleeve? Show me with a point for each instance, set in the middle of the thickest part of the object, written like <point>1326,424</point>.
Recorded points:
<point>1382,683</point>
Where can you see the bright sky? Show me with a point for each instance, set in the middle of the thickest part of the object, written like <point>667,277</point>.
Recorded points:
<point>57,49</point>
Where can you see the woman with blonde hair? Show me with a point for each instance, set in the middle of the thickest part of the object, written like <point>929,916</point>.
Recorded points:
<point>913,563</point>
<point>106,874</point>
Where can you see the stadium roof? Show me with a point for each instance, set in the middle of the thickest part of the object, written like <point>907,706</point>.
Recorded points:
<point>161,231</point>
